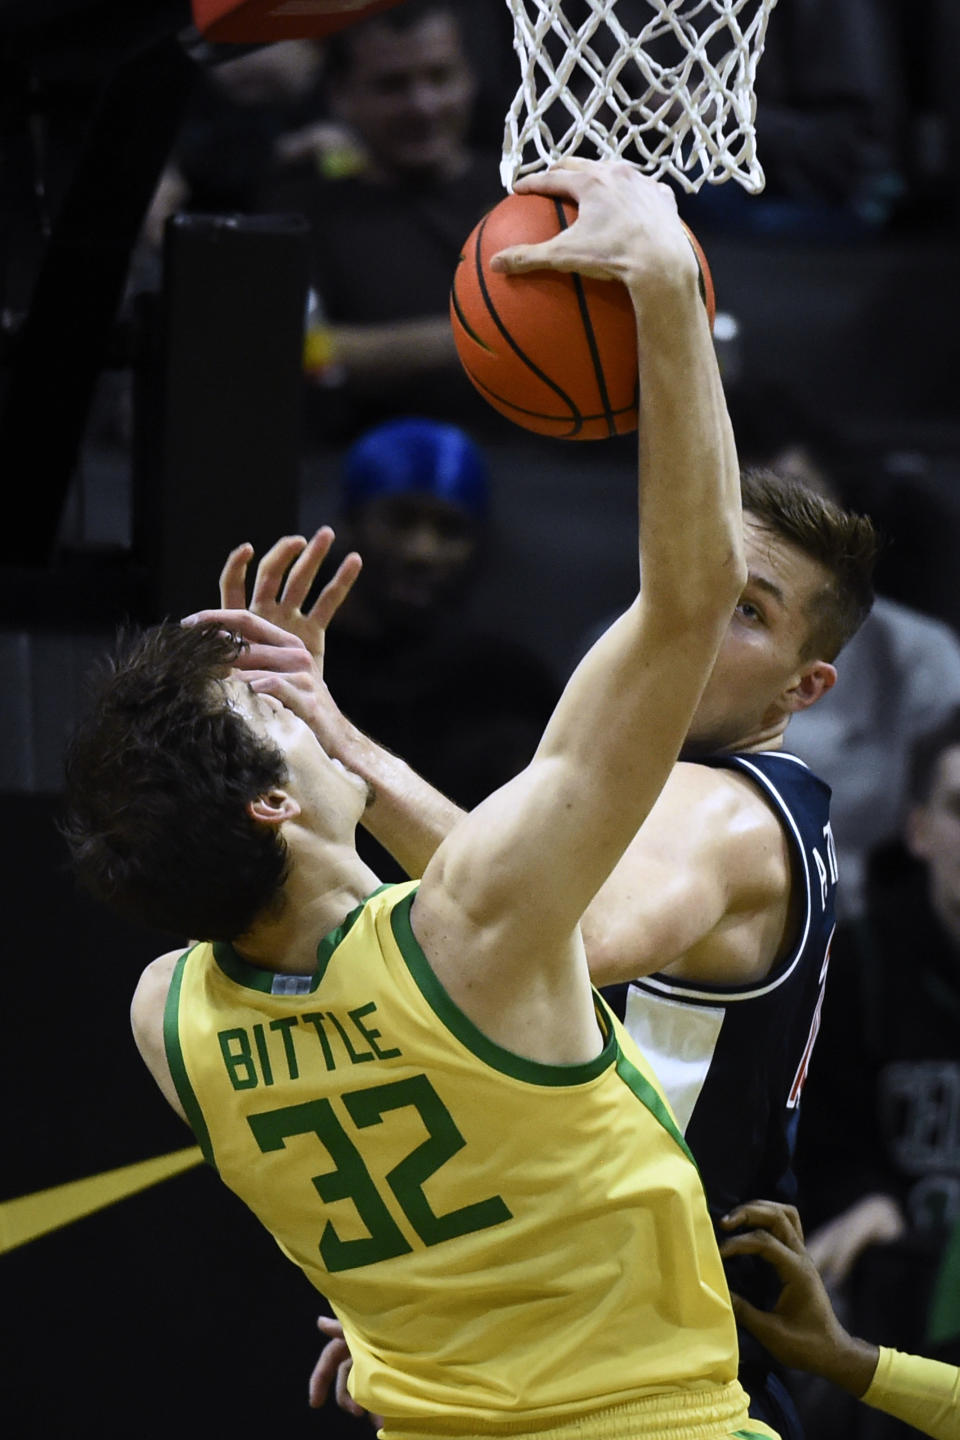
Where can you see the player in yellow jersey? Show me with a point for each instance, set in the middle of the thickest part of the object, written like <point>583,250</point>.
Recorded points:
<point>803,1331</point>
<point>415,1087</point>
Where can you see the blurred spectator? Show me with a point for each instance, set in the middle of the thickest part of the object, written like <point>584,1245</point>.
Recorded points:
<point>919,510</point>
<point>897,677</point>
<point>244,109</point>
<point>878,1154</point>
<point>464,707</point>
<point>390,214</point>
<point>927,36</point>
<point>802,1331</point>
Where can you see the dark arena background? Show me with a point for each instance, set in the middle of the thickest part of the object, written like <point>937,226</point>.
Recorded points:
<point>153,414</point>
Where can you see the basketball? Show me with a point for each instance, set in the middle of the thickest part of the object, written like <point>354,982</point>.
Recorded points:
<point>555,353</point>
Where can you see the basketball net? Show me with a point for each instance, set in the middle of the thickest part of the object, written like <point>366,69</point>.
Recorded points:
<point>676,97</point>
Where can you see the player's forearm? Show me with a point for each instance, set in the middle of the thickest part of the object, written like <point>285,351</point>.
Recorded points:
<point>406,814</point>
<point>923,1393</point>
<point>691,530</point>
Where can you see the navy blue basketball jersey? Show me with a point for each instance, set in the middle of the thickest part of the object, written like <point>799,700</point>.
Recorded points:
<point>733,1058</point>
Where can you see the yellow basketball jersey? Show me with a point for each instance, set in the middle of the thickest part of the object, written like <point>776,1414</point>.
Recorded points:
<point>505,1241</point>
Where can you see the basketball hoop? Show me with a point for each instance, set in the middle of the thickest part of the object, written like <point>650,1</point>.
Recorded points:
<point>676,97</point>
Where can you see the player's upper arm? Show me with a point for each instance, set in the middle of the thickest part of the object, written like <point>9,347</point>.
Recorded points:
<point>705,885</point>
<point>651,911</point>
<point>524,865</point>
<point>146,1019</point>
<point>507,888</point>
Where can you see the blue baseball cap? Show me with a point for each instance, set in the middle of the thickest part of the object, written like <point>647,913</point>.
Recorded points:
<point>414,454</point>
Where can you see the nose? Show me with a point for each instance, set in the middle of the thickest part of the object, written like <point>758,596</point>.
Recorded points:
<point>425,97</point>
<point>423,543</point>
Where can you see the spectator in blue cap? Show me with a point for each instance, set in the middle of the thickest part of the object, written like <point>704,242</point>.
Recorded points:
<point>414,454</point>
<point>404,657</point>
<point>416,498</point>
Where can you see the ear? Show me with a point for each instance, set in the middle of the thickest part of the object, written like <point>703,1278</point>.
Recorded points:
<point>813,681</point>
<point>274,807</point>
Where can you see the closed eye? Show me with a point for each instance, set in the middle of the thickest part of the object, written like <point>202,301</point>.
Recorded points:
<point>265,701</point>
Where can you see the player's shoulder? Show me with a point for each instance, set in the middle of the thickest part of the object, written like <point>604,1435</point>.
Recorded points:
<point>729,791</point>
<point>147,1017</point>
<point>777,778</point>
<point>150,995</point>
<point>729,816</point>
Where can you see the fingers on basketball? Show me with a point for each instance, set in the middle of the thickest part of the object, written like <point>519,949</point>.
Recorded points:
<point>554,352</point>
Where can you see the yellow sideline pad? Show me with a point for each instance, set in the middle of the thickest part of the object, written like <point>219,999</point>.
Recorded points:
<point>29,1216</point>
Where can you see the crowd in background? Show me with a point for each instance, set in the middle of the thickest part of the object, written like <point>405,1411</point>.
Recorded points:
<point>387,140</point>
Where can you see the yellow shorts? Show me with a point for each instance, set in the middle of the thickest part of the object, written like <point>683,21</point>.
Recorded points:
<point>719,1413</point>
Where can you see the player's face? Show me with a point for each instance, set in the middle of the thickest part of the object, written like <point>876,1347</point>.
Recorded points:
<point>933,833</point>
<point>323,788</point>
<point>759,677</point>
<point>409,95</point>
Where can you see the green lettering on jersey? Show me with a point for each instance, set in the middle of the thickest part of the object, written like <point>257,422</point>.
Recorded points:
<point>350,1180</point>
<point>371,1036</point>
<point>406,1180</point>
<point>356,1056</point>
<point>315,1018</point>
<point>285,1026</point>
<point>265,1066</point>
<point>238,1058</point>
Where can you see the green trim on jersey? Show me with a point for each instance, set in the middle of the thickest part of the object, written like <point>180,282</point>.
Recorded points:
<point>178,1070</point>
<point>648,1096</point>
<point>252,977</point>
<point>330,942</point>
<point>535,1072</point>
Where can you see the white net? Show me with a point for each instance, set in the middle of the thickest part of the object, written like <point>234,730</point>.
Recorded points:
<point>666,84</point>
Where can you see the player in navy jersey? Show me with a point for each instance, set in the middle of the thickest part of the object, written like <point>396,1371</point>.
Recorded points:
<point>726,890</point>
<point>733,1057</point>
<point>759,1034</point>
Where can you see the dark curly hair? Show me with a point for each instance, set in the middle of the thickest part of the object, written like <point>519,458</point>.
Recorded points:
<point>158,778</point>
<point>843,542</point>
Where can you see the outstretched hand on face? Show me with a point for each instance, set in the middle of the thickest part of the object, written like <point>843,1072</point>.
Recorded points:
<point>285,577</point>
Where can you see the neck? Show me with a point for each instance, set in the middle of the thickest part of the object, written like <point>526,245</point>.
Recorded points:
<point>317,897</point>
<point>765,737</point>
<point>768,735</point>
<point>767,740</point>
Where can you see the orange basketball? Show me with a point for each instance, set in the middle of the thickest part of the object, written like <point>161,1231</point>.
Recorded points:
<point>555,353</point>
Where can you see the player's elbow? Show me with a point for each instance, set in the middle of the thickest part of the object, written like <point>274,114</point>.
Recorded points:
<point>715,581</point>
<point>698,597</point>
